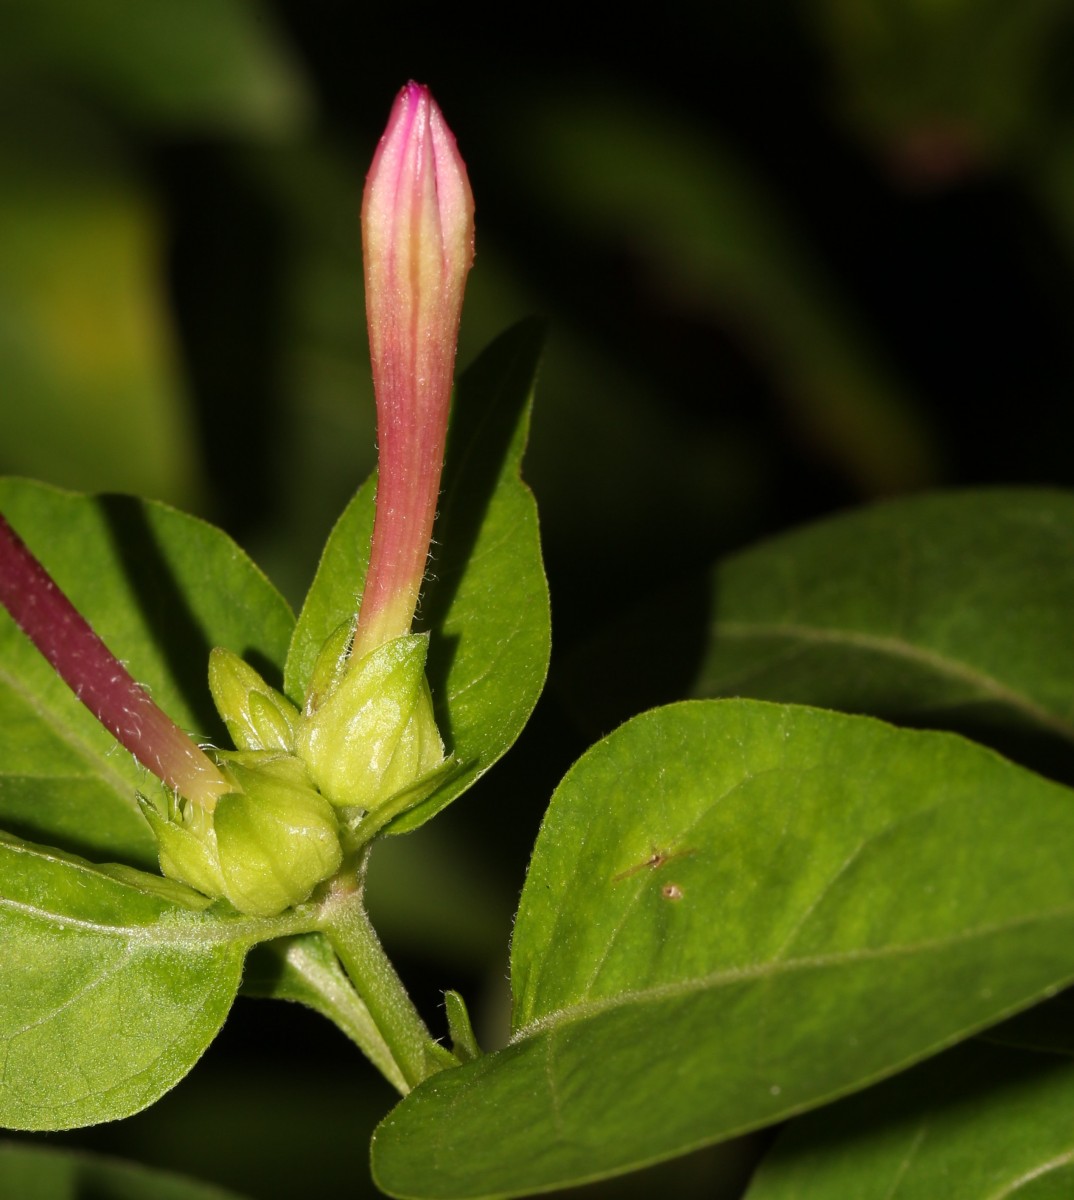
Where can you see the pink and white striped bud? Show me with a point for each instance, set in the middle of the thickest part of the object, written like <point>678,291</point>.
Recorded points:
<point>418,245</point>
<point>368,735</point>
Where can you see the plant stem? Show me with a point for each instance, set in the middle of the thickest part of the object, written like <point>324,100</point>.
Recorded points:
<point>347,926</point>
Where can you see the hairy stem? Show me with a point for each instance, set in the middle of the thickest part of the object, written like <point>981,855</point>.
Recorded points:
<point>347,927</point>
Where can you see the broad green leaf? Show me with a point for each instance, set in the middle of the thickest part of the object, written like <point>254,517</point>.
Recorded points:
<point>161,589</point>
<point>486,601</point>
<point>736,911</point>
<point>36,1173</point>
<point>113,985</point>
<point>979,1123</point>
<point>951,609</point>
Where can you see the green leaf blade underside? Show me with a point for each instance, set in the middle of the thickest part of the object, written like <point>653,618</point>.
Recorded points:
<point>979,1123</point>
<point>161,588</point>
<point>486,599</point>
<point>953,610</point>
<point>36,1173</point>
<point>736,911</point>
<point>114,983</point>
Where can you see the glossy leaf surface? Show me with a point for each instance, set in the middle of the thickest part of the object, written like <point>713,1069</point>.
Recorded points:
<point>486,600</point>
<point>801,902</point>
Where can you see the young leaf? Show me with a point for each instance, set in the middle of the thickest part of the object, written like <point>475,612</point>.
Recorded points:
<point>736,911</point>
<point>161,589</point>
<point>486,600</point>
<point>979,1123</point>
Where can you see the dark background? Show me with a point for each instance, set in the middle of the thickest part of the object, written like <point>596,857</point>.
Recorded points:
<point>793,257</point>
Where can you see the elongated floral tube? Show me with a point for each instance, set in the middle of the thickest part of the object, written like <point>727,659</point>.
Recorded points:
<point>98,678</point>
<point>418,243</point>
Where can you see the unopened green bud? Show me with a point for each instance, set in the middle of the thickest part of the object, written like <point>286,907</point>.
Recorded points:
<point>374,735</point>
<point>266,844</point>
<point>186,844</point>
<point>257,716</point>
<point>277,838</point>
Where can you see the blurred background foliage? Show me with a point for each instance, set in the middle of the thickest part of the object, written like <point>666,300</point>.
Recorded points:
<point>793,257</point>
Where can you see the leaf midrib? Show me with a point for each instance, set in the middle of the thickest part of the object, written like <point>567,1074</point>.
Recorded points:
<point>573,1013</point>
<point>198,934</point>
<point>895,648</point>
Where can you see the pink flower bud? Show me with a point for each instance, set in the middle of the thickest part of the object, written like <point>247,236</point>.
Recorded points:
<point>418,241</point>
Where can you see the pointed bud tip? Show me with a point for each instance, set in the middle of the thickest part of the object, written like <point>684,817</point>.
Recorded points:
<point>417,144</point>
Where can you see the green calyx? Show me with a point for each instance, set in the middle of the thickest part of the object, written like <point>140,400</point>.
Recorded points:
<point>373,734</point>
<point>264,847</point>
<point>257,716</point>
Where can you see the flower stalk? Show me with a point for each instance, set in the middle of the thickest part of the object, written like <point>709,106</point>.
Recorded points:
<point>98,678</point>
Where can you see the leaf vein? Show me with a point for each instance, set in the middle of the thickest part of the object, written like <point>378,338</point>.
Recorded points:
<point>582,1010</point>
<point>986,684</point>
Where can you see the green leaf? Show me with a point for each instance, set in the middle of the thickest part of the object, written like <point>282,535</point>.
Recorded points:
<point>36,1173</point>
<point>979,1123</point>
<point>736,911</point>
<point>951,607</point>
<point>486,602</point>
<point>161,589</point>
<point>114,982</point>
<point>111,988</point>
<point>953,610</point>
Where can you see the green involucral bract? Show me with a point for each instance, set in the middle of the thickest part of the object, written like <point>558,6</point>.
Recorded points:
<point>264,847</point>
<point>257,716</point>
<point>374,735</point>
